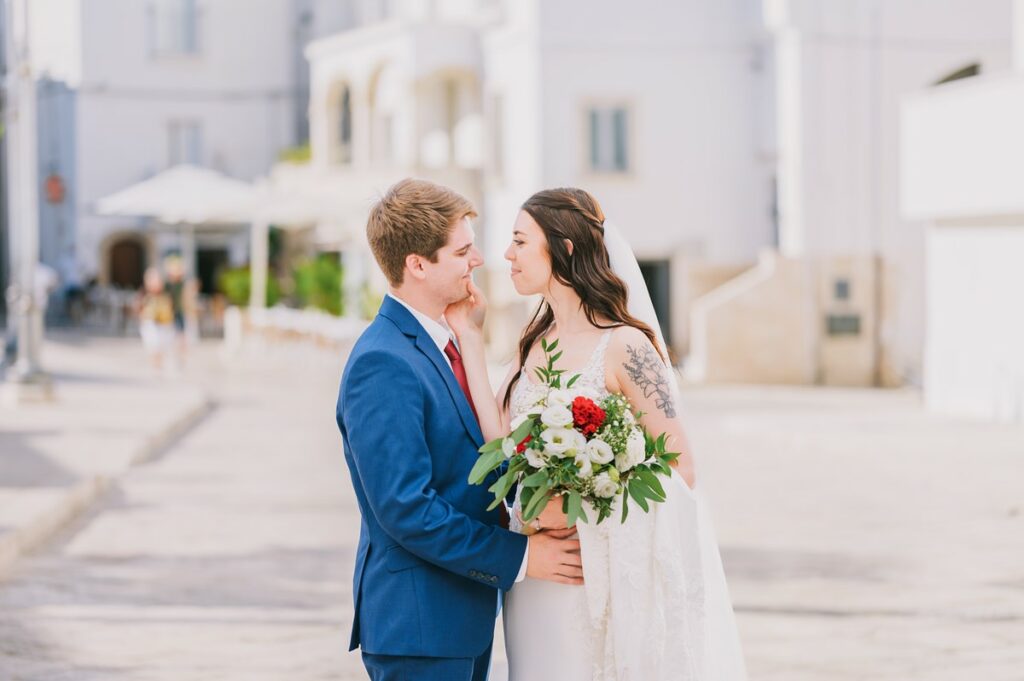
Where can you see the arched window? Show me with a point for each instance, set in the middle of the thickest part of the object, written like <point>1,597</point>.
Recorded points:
<point>344,154</point>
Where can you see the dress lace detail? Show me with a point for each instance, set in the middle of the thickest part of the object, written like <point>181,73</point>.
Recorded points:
<point>655,606</point>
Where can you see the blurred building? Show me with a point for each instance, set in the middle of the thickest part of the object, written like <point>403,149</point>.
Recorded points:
<point>962,178</point>
<point>842,302</point>
<point>131,87</point>
<point>662,110</point>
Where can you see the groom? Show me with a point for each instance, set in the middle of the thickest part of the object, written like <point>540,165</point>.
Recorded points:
<point>431,558</point>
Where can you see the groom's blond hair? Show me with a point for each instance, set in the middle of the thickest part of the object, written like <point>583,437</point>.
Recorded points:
<point>413,216</point>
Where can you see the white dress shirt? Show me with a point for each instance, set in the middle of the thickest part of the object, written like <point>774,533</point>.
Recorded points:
<point>441,333</point>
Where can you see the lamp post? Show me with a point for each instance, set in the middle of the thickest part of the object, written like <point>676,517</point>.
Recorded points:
<point>25,381</point>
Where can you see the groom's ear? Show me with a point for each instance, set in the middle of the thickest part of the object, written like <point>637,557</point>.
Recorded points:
<point>414,264</point>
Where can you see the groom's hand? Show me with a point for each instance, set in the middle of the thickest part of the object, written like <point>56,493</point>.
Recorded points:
<point>555,558</point>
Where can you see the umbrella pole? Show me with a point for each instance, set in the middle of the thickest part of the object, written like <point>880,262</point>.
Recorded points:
<point>259,256</point>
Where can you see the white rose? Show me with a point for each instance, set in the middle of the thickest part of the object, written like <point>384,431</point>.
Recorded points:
<point>535,458</point>
<point>584,464</point>
<point>558,441</point>
<point>579,443</point>
<point>560,397</point>
<point>622,462</point>
<point>557,416</point>
<point>600,451</point>
<point>636,446</point>
<point>508,447</point>
<point>605,487</point>
<point>635,452</point>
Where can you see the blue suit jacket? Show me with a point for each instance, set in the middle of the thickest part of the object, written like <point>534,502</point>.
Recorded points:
<point>430,555</point>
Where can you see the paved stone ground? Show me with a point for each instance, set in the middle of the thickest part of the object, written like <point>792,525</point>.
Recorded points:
<point>864,539</point>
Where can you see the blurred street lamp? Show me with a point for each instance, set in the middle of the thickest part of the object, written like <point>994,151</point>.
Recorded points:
<point>25,381</point>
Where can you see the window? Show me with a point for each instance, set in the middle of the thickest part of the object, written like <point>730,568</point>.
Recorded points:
<point>185,143</point>
<point>173,27</point>
<point>842,289</point>
<point>609,143</point>
<point>344,149</point>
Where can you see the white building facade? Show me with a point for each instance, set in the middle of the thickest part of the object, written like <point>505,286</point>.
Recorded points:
<point>842,302</point>
<point>962,178</point>
<point>129,88</point>
<point>662,111</point>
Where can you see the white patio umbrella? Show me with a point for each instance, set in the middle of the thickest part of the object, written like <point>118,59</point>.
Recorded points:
<point>182,194</point>
<point>184,197</point>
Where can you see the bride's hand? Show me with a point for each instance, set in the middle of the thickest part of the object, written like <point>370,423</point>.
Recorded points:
<point>467,315</point>
<point>551,518</point>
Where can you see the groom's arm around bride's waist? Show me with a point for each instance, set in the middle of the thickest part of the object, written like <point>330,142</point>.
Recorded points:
<point>381,411</point>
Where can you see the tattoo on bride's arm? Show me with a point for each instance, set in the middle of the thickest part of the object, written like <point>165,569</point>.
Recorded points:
<point>647,371</point>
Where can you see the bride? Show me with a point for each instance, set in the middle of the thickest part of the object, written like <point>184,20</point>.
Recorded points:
<point>654,604</point>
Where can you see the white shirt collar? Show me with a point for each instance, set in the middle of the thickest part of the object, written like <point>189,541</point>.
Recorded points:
<point>438,330</point>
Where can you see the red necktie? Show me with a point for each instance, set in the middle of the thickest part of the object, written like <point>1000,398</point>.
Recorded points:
<point>460,373</point>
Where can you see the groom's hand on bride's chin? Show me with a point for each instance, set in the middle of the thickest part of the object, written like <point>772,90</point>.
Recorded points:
<point>555,558</point>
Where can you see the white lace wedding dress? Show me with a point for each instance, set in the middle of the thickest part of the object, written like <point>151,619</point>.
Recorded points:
<point>655,606</point>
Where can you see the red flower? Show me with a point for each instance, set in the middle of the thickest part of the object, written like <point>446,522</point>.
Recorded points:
<point>521,447</point>
<point>587,416</point>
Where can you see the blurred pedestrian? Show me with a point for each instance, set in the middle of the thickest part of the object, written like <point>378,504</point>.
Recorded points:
<point>156,318</point>
<point>182,292</point>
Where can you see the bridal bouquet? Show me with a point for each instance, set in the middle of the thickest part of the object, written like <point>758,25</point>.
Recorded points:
<point>571,445</point>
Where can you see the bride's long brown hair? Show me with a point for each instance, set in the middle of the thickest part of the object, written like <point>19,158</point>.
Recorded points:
<point>573,214</point>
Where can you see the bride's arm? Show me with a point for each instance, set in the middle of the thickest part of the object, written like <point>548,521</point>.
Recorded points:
<point>638,372</point>
<point>466,320</point>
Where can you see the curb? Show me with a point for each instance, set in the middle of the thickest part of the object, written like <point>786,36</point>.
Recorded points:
<point>78,499</point>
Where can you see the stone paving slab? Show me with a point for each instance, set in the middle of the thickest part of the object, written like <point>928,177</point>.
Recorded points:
<point>110,412</point>
<point>863,537</point>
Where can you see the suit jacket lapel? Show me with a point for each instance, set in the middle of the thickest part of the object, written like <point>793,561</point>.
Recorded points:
<point>394,311</point>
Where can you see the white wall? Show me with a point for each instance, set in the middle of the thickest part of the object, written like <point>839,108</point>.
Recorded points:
<point>512,66</point>
<point>56,41</point>
<point>962,150</point>
<point>238,87</point>
<point>688,75</point>
<point>844,65</point>
<point>975,363</point>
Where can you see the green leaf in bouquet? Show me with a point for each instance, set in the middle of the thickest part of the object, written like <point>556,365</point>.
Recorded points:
<point>625,506</point>
<point>541,374</point>
<point>501,488</point>
<point>537,502</point>
<point>668,457</point>
<point>492,446</point>
<point>661,467</point>
<point>575,509</point>
<point>648,492</point>
<point>634,487</point>
<point>554,358</point>
<point>572,381</point>
<point>652,481</point>
<point>520,433</point>
<point>525,494</point>
<point>484,465</point>
<point>552,345</point>
<point>536,479</point>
